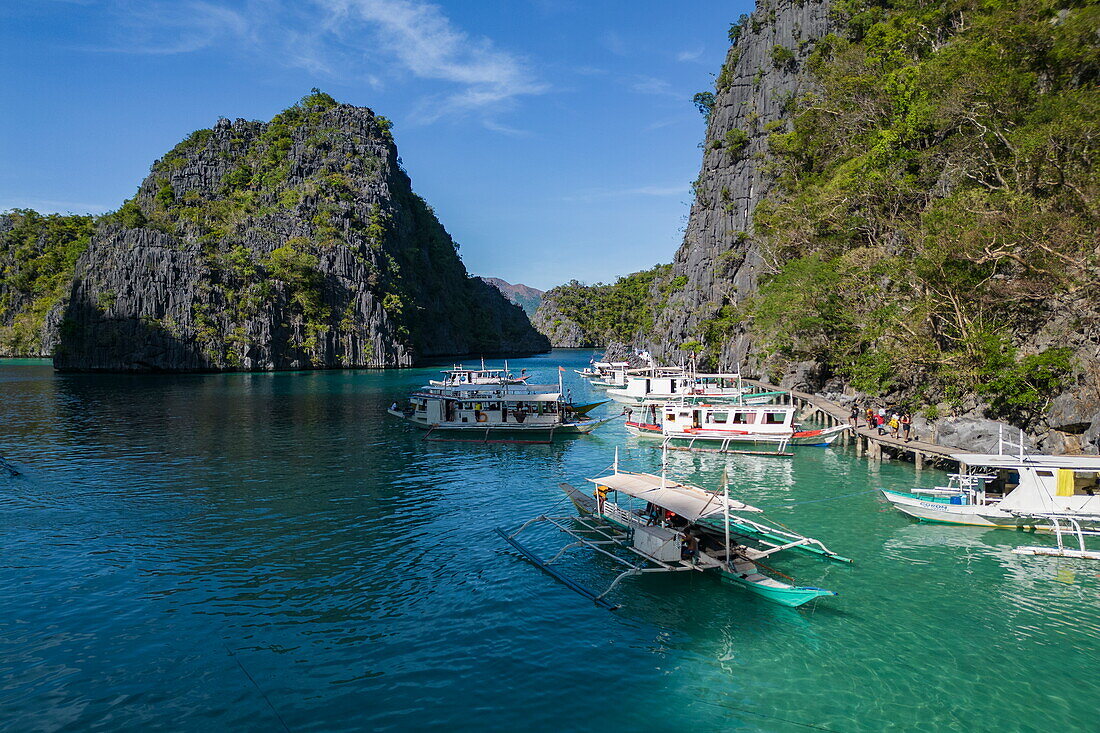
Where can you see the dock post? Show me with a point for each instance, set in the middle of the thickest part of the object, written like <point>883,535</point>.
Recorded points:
<point>918,459</point>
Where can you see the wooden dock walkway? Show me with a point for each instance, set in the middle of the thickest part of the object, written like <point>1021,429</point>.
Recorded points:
<point>867,439</point>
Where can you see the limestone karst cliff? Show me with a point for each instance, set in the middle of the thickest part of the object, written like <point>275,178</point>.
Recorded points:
<point>756,92</point>
<point>897,200</point>
<point>297,243</point>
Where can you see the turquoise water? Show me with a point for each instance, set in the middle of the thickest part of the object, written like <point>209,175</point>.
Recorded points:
<point>217,552</point>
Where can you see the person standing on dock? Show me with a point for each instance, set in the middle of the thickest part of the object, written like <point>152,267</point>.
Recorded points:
<point>853,418</point>
<point>906,425</point>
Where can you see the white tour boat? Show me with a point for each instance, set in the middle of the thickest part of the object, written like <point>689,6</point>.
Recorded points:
<point>459,375</point>
<point>600,369</point>
<point>727,424</point>
<point>673,384</point>
<point>495,408</point>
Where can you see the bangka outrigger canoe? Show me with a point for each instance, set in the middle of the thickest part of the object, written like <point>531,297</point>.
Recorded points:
<point>675,528</point>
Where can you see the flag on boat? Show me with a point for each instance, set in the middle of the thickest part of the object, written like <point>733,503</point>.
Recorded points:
<point>561,369</point>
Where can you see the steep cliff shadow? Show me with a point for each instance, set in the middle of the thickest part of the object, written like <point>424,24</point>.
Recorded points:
<point>90,340</point>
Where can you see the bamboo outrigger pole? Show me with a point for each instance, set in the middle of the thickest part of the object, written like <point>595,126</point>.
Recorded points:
<point>726,513</point>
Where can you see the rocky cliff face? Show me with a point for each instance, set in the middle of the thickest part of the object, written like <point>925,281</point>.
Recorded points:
<point>292,244</point>
<point>927,233</point>
<point>763,75</point>
<point>563,331</point>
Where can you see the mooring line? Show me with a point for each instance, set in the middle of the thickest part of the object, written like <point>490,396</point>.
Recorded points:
<point>258,688</point>
<point>10,468</point>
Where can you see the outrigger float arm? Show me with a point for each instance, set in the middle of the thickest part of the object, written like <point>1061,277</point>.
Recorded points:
<point>599,600</point>
<point>781,539</point>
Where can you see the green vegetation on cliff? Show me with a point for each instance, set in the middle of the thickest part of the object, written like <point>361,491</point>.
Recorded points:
<point>606,312</point>
<point>37,256</point>
<point>936,200</point>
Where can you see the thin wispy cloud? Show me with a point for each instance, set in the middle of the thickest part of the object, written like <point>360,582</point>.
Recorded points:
<point>653,85</point>
<point>597,194</point>
<point>690,55</point>
<point>175,28</point>
<point>425,42</point>
<point>614,43</point>
<point>349,40</point>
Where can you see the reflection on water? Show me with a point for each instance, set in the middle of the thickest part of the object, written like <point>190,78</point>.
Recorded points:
<point>201,551</point>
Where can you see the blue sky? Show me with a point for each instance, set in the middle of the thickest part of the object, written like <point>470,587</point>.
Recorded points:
<point>555,139</point>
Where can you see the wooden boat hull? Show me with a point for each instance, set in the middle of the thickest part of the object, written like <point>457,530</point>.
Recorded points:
<point>926,509</point>
<point>815,438</point>
<point>578,427</point>
<point>790,595</point>
<point>972,515</point>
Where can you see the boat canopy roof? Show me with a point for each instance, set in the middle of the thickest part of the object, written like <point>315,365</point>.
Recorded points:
<point>484,395</point>
<point>1000,460</point>
<point>689,502</point>
<point>610,364</point>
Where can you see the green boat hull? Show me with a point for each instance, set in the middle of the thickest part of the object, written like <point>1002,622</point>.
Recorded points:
<point>792,597</point>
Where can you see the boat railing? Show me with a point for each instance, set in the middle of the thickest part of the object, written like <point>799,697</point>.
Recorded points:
<point>794,539</point>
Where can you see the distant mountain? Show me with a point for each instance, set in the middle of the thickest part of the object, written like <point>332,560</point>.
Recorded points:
<point>524,296</point>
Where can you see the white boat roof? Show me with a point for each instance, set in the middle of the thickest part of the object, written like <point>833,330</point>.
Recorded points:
<point>1001,460</point>
<point>610,363</point>
<point>689,502</point>
<point>507,396</point>
<point>718,376</point>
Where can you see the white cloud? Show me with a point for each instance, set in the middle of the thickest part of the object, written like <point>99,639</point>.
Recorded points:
<point>596,194</point>
<point>652,85</point>
<point>361,40</point>
<point>690,55</point>
<point>424,42</point>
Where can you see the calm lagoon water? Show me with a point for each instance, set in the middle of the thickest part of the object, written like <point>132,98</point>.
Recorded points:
<point>218,552</point>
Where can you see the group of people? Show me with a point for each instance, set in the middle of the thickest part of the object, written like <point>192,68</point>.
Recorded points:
<point>899,421</point>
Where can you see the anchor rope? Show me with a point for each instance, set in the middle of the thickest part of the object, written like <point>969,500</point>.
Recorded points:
<point>257,686</point>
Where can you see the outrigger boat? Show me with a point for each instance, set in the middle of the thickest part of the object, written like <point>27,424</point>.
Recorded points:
<point>600,369</point>
<point>671,383</point>
<point>615,376</point>
<point>728,424</point>
<point>650,524</point>
<point>998,490</point>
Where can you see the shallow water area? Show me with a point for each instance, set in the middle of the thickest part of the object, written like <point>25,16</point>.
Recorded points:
<point>231,551</point>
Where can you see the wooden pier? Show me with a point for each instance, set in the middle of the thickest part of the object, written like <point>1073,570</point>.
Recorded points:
<point>868,442</point>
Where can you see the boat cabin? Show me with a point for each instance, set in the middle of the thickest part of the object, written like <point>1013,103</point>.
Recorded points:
<point>768,419</point>
<point>487,409</point>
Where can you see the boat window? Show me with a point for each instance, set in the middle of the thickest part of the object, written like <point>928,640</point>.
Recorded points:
<point>685,414</point>
<point>1046,474</point>
<point>719,417</point>
<point>774,418</point>
<point>671,417</point>
<point>744,418</point>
